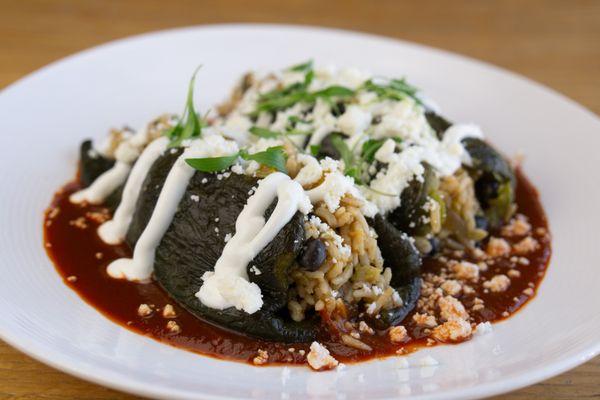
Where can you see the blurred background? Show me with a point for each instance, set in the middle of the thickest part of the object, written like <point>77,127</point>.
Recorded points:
<point>553,42</point>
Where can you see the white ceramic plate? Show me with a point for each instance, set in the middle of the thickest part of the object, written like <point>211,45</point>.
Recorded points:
<point>46,115</point>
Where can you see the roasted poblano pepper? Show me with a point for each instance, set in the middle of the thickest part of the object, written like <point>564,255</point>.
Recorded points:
<point>411,215</point>
<point>494,178</point>
<point>402,257</point>
<point>195,240</point>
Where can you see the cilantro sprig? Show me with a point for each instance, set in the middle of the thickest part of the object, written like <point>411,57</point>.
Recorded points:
<point>302,67</point>
<point>352,163</point>
<point>274,157</point>
<point>280,99</point>
<point>190,124</point>
<point>395,89</point>
<point>356,162</point>
<point>212,164</point>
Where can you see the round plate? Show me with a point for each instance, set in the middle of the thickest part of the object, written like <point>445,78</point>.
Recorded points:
<point>46,115</point>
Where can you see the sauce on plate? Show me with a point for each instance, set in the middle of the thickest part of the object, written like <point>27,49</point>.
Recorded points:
<point>81,258</point>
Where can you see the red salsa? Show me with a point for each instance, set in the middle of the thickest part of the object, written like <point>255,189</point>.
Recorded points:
<point>81,259</point>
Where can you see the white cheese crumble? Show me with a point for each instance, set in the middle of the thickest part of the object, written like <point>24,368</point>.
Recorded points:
<point>483,328</point>
<point>354,121</point>
<point>404,119</point>
<point>336,185</point>
<point>311,171</point>
<point>255,270</point>
<point>319,358</point>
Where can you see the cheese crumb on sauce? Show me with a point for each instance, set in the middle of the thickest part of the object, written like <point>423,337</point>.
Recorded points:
<point>144,310</point>
<point>169,312</point>
<point>398,334</point>
<point>498,283</point>
<point>319,358</point>
<point>483,328</point>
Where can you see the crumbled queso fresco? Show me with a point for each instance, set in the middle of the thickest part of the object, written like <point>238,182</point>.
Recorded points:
<point>408,138</point>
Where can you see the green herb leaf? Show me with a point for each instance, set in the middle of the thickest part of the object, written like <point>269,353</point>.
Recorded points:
<point>292,132</point>
<point>315,149</point>
<point>295,120</point>
<point>396,89</point>
<point>302,67</point>
<point>334,91</point>
<point>308,78</point>
<point>264,133</point>
<point>281,99</point>
<point>274,157</point>
<point>212,164</point>
<point>189,126</point>
<point>369,148</point>
<point>354,172</point>
<point>276,103</point>
<point>340,145</point>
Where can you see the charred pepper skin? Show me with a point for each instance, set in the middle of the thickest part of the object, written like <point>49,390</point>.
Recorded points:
<point>403,258</point>
<point>493,175</point>
<point>195,240</point>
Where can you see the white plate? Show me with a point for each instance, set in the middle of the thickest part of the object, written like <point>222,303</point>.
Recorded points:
<point>46,115</point>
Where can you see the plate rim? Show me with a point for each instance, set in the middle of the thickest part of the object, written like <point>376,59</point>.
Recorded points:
<point>122,383</point>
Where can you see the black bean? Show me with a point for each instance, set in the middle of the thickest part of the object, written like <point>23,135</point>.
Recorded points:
<point>481,222</point>
<point>435,246</point>
<point>313,254</point>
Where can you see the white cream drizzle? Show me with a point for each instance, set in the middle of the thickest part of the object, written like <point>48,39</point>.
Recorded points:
<point>228,285</point>
<point>113,231</point>
<point>140,267</point>
<point>125,154</point>
<point>103,186</point>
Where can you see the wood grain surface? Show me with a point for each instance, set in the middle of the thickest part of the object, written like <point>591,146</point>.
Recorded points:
<point>553,42</point>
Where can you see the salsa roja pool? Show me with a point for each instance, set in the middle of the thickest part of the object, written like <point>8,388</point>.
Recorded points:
<point>81,258</point>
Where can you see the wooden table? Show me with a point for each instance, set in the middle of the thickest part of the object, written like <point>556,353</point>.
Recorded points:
<point>554,42</point>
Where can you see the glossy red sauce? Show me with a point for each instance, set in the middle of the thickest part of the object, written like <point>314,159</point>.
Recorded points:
<point>81,259</point>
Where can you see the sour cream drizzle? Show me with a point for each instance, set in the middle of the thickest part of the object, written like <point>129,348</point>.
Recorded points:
<point>113,231</point>
<point>104,185</point>
<point>140,267</point>
<point>228,285</point>
<point>127,152</point>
